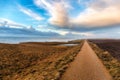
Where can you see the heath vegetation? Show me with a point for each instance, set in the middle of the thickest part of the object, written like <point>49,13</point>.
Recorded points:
<point>35,61</point>
<point>111,62</point>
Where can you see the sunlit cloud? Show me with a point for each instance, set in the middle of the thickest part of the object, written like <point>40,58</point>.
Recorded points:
<point>93,18</point>
<point>57,11</point>
<point>87,34</point>
<point>67,18</point>
<point>44,28</point>
<point>100,13</point>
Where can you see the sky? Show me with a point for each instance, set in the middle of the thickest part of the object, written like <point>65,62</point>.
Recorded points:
<point>75,19</point>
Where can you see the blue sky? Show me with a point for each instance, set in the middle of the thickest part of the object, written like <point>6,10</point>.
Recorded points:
<point>61,18</point>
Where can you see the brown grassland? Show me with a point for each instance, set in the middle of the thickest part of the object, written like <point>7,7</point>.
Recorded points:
<point>49,60</point>
<point>35,61</point>
<point>108,52</point>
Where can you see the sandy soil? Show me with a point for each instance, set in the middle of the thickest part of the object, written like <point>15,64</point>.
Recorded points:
<point>86,66</point>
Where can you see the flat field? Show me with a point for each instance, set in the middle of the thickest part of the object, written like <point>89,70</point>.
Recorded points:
<point>113,46</point>
<point>35,60</point>
<point>109,53</point>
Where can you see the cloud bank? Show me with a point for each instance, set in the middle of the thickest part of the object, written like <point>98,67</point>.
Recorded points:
<point>100,13</point>
<point>97,13</point>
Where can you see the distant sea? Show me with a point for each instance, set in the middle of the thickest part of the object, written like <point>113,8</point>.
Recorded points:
<point>15,40</point>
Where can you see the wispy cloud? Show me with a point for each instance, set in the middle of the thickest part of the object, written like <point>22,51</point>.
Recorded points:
<point>45,28</point>
<point>10,23</point>
<point>86,34</point>
<point>30,13</point>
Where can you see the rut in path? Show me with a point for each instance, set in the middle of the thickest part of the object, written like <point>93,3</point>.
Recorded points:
<point>86,66</point>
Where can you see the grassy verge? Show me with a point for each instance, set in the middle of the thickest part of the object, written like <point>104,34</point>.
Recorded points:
<point>112,64</point>
<point>35,62</point>
<point>53,70</point>
<point>62,63</point>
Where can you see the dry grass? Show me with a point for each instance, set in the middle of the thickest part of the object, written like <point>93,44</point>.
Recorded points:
<point>112,64</point>
<point>112,46</point>
<point>31,61</point>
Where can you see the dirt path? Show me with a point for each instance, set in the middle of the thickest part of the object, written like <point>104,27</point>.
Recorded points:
<point>86,66</point>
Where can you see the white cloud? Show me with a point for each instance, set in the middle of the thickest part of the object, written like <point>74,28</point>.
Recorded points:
<point>61,32</point>
<point>86,34</point>
<point>57,11</point>
<point>30,13</point>
<point>44,28</point>
<point>10,23</point>
<point>118,32</point>
<point>98,13</point>
<point>93,18</point>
